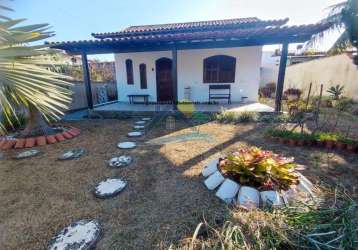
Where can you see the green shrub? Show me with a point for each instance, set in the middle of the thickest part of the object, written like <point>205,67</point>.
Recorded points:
<point>328,136</point>
<point>344,104</point>
<point>246,117</point>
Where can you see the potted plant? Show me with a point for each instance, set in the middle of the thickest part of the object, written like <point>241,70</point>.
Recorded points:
<point>292,94</point>
<point>328,139</point>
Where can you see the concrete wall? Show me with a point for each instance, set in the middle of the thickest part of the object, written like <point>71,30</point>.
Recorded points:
<point>79,98</point>
<point>190,72</point>
<point>269,68</point>
<point>328,71</point>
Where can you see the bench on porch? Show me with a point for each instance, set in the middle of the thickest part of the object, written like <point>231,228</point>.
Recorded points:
<point>132,97</point>
<point>221,87</point>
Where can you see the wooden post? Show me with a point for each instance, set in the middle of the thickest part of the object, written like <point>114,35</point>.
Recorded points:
<point>281,77</point>
<point>175,75</point>
<point>87,80</point>
<point>308,95</point>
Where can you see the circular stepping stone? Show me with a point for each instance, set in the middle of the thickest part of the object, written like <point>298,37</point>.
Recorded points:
<point>146,119</point>
<point>109,188</point>
<point>126,145</point>
<point>72,154</point>
<point>121,161</point>
<point>82,234</point>
<point>27,154</point>
<point>140,122</point>
<point>138,127</point>
<point>135,134</point>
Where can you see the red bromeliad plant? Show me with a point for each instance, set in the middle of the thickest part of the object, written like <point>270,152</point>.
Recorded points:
<point>259,168</point>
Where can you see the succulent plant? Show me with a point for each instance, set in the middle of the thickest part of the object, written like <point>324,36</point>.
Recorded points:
<point>263,169</point>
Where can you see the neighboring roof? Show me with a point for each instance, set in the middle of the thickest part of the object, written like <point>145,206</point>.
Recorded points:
<point>220,33</point>
<point>249,22</point>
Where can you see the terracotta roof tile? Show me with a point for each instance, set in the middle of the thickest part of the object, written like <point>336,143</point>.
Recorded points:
<point>236,23</point>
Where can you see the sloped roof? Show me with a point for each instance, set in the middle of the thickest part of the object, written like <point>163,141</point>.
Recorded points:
<point>237,23</point>
<point>219,33</point>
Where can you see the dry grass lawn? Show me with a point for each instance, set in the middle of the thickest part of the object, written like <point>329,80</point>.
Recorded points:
<point>165,198</point>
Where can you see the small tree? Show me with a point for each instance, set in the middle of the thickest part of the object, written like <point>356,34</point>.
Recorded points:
<point>23,83</point>
<point>336,91</point>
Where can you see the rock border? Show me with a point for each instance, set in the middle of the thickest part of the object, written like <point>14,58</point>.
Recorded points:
<point>30,142</point>
<point>248,197</point>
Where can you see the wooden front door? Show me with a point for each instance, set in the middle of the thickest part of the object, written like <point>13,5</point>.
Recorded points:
<point>164,80</point>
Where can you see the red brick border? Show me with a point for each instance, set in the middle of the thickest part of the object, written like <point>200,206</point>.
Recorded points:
<point>40,140</point>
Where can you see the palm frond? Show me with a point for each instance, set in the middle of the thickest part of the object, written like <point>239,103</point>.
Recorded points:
<point>22,79</point>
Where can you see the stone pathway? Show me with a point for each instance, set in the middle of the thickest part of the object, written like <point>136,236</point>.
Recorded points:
<point>84,234</point>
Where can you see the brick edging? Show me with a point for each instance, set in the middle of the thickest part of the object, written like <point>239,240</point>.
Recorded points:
<point>39,140</point>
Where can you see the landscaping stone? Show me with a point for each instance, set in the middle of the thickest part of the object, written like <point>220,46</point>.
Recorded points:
<point>83,234</point>
<point>126,145</point>
<point>139,122</point>
<point>51,139</point>
<point>135,134</point>
<point>109,188</point>
<point>248,197</point>
<point>72,154</point>
<point>228,190</point>
<point>138,127</point>
<point>59,137</point>
<point>9,144</point>
<point>67,135</point>
<point>214,180</point>
<point>304,180</point>
<point>146,119</point>
<point>211,168</point>
<point>271,198</point>
<point>27,154</point>
<point>121,161</point>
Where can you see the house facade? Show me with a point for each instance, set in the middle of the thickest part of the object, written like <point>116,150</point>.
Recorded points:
<point>193,85</point>
<point>206,61</point>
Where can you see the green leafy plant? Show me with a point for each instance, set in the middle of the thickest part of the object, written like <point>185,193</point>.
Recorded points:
<point>246,116</point>
<point>328,136</point>
<point>260,168</point>
<point>344,104</point>
<point>336,91</point>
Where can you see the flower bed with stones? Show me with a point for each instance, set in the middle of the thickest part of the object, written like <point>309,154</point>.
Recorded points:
<point>253,178</point>
<point>64,133</point>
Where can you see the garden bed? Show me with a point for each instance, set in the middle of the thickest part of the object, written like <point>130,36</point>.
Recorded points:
<point>165,197</point>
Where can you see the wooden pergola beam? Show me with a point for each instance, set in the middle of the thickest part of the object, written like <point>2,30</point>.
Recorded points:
<point>281,77</point>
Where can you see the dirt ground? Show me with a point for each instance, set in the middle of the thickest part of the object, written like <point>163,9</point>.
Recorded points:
<point>165,198</point>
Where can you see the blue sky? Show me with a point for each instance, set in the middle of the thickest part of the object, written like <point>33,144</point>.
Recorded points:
<point>77,19</point>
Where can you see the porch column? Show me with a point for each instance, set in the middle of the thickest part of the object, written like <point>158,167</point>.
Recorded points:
<point>87,80</point>
<point>175,74</point>
<point>281,77</point>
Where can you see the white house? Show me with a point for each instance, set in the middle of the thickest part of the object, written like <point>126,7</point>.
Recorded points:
<point>203,62</point>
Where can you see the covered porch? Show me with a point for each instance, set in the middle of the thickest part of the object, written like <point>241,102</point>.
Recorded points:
<point>175,43</point>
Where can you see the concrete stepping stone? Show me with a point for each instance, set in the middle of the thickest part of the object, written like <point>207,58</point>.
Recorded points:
<point>72,154</point>
<point>109,188</point>
<point>140,122</point>
<point>27,154</point>
<point>248,197</point>
<point>126,145</point>
<point>211,168</point>
<point>214,180</point>
<point>228,190</point>
<point>138,127</point>
<point>83,234</point>
<point>135,134</point>
<point>121,161</point>
<point>146,119</point>
<point>271,198</point>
